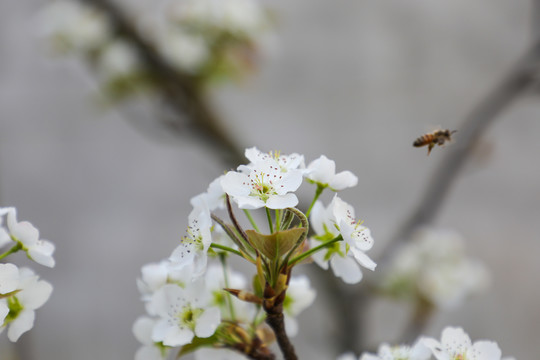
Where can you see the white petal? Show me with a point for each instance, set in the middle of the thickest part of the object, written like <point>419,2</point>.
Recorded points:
<point>291,325</point>
<point>148,353</point>
<point>208,322</point>
<point>9,278</point>
<point>34,296</point>
<point>236,184</point>
<point>248,202</point>
<point>322,170</point>
<point>183,255</point>
<point>4,310</point>
<point>142,329</point>
<point>363,259</point>
<point>23,323</point>
<point>435,347</point>
<point>455,339</point>
<point>343,180</point>
<point>154,275</point>
<point>42,252</point>
<point>4,237</point>
<point>282,201</point>
<point>160,330</point>
<point>346,268</point>
<point>485,350</point>
<point>347,356</point>
<point>291,182</point>
<point>318,257</point>
<point>177,337</point>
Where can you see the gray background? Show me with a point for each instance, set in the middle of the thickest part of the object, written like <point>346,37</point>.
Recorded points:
<point>355,80</point>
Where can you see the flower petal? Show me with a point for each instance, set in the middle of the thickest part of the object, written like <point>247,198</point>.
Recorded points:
<point>347,269</point>
<point>208,322</point>
<point>484,350</point>
<point>20,325</point>
<point>282,201</point>
<point>343,180</point>
<point>9,278</point>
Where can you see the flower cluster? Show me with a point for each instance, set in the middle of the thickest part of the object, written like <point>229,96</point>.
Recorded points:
<point>433,268</point>
<point>194,300</point>
<point>21,291</point>
<point>454,344</point>
<point>204,39</point>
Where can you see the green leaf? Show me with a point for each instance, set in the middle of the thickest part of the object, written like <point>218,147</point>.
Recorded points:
<point>275,245</point>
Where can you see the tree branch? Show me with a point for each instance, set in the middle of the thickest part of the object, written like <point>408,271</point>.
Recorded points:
<point>181,91</point>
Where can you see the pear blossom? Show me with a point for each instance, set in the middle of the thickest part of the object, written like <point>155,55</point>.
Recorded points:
<point>212,199</point>
<point>188,52</point>
<point>434,266</point>
<point>30,294</point>
<point>27,236</point>
<point>193,248</point>
<point>456,344</point>
<point>183,314</point>
<point>300,295</point>
<point>215,283</point>
<point>286,162</point>
<point>73,26</point>
<point>142,329</point>
<point>118,59</point>
<point>262,184</point>
<point>347,356</point>
<point>322,172</point>
<point>218,354</point>
<point>344,257</point>
<point>400,352</point>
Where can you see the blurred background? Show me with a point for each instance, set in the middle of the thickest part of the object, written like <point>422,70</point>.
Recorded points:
<point>357,81</point>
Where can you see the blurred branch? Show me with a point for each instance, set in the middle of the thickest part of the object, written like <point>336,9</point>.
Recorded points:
<point>180,90</point>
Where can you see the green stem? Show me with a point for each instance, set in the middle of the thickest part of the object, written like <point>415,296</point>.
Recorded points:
<point>314,250</point>
<point>14,249</point>
<point>269,217</point>
<point>278,220</point>
<point>251,221</point>
<point>318,193</point>
<point>226,248</point>
<point>223,260</point>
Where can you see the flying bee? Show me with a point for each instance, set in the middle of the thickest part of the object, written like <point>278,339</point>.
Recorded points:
<point>438,137</point>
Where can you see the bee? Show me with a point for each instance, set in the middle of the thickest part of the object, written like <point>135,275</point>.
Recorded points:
<point>437,137</point>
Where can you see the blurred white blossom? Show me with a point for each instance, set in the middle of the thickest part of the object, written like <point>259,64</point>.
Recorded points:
<point>322,172</point>
<point>434,266</point>
<point>456,344</point>
<point>401,352</point>
<point>300,295</point>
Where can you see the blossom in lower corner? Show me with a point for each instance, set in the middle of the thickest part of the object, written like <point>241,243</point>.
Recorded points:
<point>344,256</point>
<point>183,314</point>
<point>322,172</point>
<point>142,329</point>
<point>27,236</point>
<point>401,352</point>
<point>456,344</point>
<point>300,295</point>
<point>29,295</point>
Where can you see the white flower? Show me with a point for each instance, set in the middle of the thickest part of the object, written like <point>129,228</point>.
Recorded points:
<point>31,294</point>
<point>401,352</point>
<point>263,184</point>
<point>186,51</point>
<point>4,235</point>
<point>218,354</point>
<point>347,356</point>
<point>118,59</point>
<point>27,236</point>
<point>215,283</point>
<point>9,278</point>
<point>194,247</point>
<point>241,17</point>
<point>183,314</point>
<point>434,266</point>
<point>456,344</point>
<point>286,162</point>
<point>344,256</point>
<point>142,329</point>
<point>73,26</point>
<point>322,171</point>
<point>299,296</point>
<point>212,199</point>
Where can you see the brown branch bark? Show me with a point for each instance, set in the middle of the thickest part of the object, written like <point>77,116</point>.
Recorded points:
<point>181,91</point>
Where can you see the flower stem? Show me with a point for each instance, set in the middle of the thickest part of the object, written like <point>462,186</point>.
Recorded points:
<point>314,250</point>
<point>269,217</point>
<point>223,260</point>
<point>318,193</point>
<point>14,249</point>
<point>275,319</point>
<point>226,248</point>
<point>251,220</point>
<point>278,220</point>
